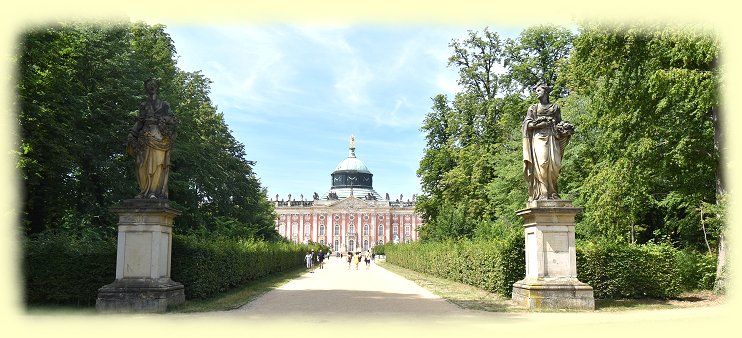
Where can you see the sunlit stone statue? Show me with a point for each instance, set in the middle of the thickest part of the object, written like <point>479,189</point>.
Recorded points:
<point>545,135</point>
<point>150,142</point>
<point>550,280</point>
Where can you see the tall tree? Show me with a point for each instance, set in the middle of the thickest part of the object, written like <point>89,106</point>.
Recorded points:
<point>75,92</point>
<point>78,90</point>
<point>645,96</point>
<point>470,166</point>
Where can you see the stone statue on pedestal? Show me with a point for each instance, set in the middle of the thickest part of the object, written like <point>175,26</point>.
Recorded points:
<point>550,280</point>
<point>145,225</point>
<point>545,135</point>
<point>150,142</point>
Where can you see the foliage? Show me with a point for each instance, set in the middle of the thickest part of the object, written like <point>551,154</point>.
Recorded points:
<point>643,99</point>
<point>79,88</point>
<point>492,265</point>
<point>697,271</point>
<point>619,270</point>
<point>451,223</point>
<point>471,166</point>
<point>209,266</point>
<point>643,163</point>
<point>60,268</point>
<point>614,270</point>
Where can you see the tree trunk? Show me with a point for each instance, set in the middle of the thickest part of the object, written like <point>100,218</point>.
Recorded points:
<point>721,262</point>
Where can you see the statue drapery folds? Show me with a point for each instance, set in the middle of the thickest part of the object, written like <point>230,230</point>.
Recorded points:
<point>545,135</point>
<point>150,143</point>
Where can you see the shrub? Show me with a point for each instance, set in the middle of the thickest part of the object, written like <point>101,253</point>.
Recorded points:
<point>614,270</point>
<point>618,270</point>
<point>697,271</point>
<point>492,265</point>
<point>59,268</point>
<point>210,266</point>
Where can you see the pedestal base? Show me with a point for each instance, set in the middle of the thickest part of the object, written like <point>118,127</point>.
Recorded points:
<point>554,294</point>
<point>139,295</point>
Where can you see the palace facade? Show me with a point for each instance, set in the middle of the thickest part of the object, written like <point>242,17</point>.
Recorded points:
<point>351,216</point>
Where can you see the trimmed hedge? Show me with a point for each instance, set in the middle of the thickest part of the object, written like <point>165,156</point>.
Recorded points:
<point>490,265</point>
<point>613,270</point>
<point>629,271</point>
<point>61,269</point>
<point>207,266</point>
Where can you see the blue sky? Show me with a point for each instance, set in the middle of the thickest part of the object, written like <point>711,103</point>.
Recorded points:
<point>293,94</point>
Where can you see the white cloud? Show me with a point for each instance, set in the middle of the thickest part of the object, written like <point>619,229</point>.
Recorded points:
<point>351,84</point>
<point>329,36</point>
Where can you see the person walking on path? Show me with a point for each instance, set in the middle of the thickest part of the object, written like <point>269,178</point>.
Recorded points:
<point>308,259</point>
<point>320,259</point>
<point>356,259</point>
<point>367,259</point>
<point>349,259</point>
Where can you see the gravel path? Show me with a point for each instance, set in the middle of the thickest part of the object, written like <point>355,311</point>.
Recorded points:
<point>337,300</point>
<point>337,290</point>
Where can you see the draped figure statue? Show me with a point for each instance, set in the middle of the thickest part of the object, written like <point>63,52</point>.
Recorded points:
<point>150,142</point>
<point>545,135</point>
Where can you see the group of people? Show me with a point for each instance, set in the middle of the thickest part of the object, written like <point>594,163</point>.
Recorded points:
<point>355,259</point>
<point>310,257</point>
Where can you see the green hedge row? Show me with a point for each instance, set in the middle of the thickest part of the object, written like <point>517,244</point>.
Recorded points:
<point>613,270</point>
<point>492,265</point>
<point>61,269</point>
<point>617,270</point>
<point>207,266</point>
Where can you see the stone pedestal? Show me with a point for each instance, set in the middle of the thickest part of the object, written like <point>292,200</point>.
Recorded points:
<point>143,253</point>
<point>551,271</point>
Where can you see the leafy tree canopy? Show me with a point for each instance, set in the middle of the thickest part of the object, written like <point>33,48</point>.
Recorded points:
<point>79,88</point>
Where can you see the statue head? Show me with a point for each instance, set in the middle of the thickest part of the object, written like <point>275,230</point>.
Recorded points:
<point>151,85</point>
<point>542,85</point>
<point>542,90</point>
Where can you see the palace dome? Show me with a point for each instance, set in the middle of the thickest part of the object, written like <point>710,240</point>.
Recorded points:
<point>352,177</point>
<point>352,164</point>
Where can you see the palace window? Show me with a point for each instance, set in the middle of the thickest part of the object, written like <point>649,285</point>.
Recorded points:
<point>365,229</point>
<point>381,230</point>
<point>337,229</point>
<point>321,229</point>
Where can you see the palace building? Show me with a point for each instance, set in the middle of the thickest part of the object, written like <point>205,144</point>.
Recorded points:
<point>351,216</point>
